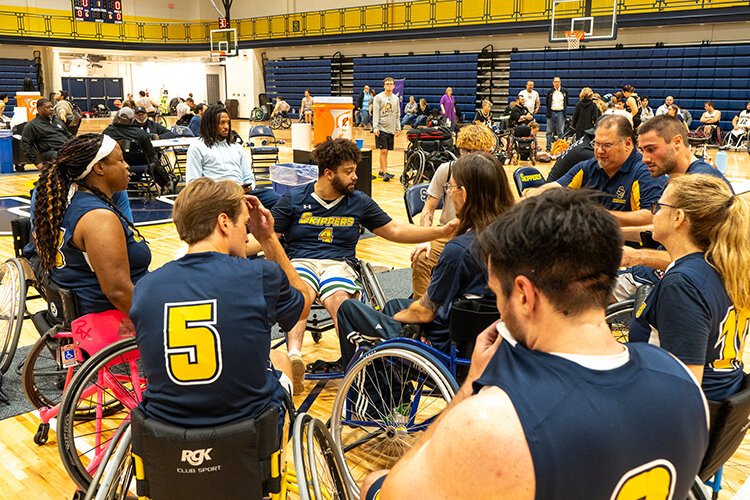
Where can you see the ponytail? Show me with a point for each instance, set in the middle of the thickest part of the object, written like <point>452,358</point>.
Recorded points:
<point>729,250</point>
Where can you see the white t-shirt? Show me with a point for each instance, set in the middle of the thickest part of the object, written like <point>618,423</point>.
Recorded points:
<point>436,189</point>
<point>744,119</point>
<point>558,101</point>
<point>711,115</point>
<point>662,110</point>
<point>532,98</point>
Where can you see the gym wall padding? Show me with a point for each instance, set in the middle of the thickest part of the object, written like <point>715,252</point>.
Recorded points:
<point>426,77</point>
<point>691,74</point>
<point>12,74</point>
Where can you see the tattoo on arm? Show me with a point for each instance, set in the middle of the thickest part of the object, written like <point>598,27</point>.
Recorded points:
<point>426,302</point>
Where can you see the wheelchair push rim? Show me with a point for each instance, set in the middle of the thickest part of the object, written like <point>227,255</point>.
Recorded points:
<point>12,309</point>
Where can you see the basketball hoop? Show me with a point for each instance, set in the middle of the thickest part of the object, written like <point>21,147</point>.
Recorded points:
<point>218,53</point>
<point>574,39</point>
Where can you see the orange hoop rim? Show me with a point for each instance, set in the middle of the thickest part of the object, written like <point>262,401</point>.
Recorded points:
<point>578,34</point>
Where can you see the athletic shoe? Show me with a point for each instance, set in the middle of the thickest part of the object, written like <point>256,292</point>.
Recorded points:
<point>385,176</point>
<point>298,373</point>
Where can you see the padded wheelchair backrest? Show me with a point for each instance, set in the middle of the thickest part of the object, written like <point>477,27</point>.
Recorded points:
<point>21,228</point>
<point>527,177</point>
<point>470,316</point>
<point>414,199</point>
<point>729,423</point>
<point>231,461</point>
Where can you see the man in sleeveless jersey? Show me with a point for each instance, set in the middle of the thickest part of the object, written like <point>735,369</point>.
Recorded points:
<point>553,406</point>
<point>320,223</point>
<point>204,321</point>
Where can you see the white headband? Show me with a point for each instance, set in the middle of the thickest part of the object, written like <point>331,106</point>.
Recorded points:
<point>108,145</point>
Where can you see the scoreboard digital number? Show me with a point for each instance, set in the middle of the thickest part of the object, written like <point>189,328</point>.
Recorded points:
<point>98,11</point>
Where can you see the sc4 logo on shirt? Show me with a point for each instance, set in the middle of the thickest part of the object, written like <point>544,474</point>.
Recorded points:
<point>196,457</point>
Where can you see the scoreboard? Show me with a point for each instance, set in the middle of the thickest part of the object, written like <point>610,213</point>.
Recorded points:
<point>99,11</point>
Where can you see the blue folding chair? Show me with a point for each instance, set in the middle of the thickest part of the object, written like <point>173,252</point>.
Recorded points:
<point>527,177</point>
<point>414,199</point>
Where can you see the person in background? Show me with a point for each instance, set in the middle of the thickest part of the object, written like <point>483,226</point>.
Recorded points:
<point>675,112</point>
<point>154,129</point>
<point>281,107</point>
<point>146,102</point>
<point>362,104</point>
<point>369,109</point>
<point>43,136</point>
<point>3,102</point>
<point>306,107</point>
<point>662,110</point>
<point>410,113</point>
<point>740,128</point>
<point>586,113</point>
<point>483,116</point>
<point>28,85</point>
<point>557,103</point>
<point>423,112</point>
<point>630,104</point>
<point>531,98</point>
<point>63,107</point>
<point>710,119</point>
<point>185,107</point>
<point>386,124</point>
<point>645,113</point>
<point>448,107</point>
<point>195,121</point>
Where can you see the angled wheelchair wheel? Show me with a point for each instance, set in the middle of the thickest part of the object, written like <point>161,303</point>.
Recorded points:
<point>43,376</point>
<point>286,122</point>
<point>618,317</point>
<point>275,122</point>
<point>12,309</point>
<point>373,291</point>
<point>257,114</point>
<point>413,168</point>
<point>112,378</point>
<point>114,478</point>
<point>318,465</point>
<point>698,491</point>
<point>386,401</point>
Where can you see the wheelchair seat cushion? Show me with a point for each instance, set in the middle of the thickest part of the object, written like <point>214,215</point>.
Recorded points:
<point>228,461</point>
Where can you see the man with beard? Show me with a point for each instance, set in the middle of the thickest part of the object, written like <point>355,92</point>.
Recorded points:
<point>550,391</point>
<point>215,157</point>
<point>321,224</point>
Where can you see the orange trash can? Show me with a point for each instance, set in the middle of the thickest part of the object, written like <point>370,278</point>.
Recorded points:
<point>332,117</point>
<point>28,100</point>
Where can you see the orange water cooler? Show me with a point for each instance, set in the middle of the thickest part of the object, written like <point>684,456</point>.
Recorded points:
<point>332,117</point>
<point>28,100</point>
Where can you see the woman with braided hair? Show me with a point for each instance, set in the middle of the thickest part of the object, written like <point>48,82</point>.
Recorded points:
<point>83,240</point>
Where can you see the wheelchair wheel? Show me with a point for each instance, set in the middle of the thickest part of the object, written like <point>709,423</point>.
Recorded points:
<point>414,168</point>
<point>114,478</point>
<point>317,464</point>
<point>114,376</point>
<point>618,317</point>
<point>386,400</point>
<point>286,122</point>
<point>373,291</point>
<point>275,122</point>
<point>257,114</point>
<point>43,376</point>
<point>12,309</point>
<point>698,491</point>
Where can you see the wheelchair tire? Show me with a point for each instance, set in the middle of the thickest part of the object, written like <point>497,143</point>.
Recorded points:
<point>387,432</point>
<point>371,285</point>
<point>43,376</point>
<point>414,168</point>
<point>113,478</point>
<point>275,122</point>
<point>110,378</point>
<point>318,465</point>
<point>618,317</point>
<point>257,114</point>
<point>697,491</point>
<point>286,123</point>
<point>12,310</point>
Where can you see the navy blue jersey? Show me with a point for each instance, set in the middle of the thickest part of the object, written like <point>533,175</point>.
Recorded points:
<point>695,320</point>
<point>631,188</point>
<point>72,268</point>
<point>701,167</point>
<point>203,327</point>
<point>314,228</point>
<point>459,271</point>
<point>636,430</point>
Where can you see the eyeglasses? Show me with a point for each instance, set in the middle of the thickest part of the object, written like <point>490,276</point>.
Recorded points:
<point>604,146</point>
<point>655,207</point>
<point>448,187</point>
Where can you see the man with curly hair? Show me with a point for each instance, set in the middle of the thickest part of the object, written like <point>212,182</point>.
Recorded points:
<point>321,224</point>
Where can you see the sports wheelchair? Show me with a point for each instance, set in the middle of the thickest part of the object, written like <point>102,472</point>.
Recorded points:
<point>393,391</point>
<point>428,148</point>
<point>280,121</point>
<point>522,145</point>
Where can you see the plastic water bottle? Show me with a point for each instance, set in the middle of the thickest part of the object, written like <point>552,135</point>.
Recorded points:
<point>721,161</point>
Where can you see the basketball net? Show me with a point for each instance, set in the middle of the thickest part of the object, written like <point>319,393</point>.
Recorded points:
<point>574,39</point>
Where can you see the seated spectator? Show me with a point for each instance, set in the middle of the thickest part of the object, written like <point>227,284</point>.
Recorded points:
<point>519,115</point>
<point>410,113</point>
<point>710,120</point>
<point>239,377</point>
<point>280,108</point>
<point>195,121</point>
<point>645,113</point>
<point>423,112</point>
<point>483,116</point>
<point>550,377</point>
<point>123,129</point>
<point>424,257</point>
<point>586,113</point>
<point>185,107</point>
<point>698,311</point>
<point>675,112</point>
<point>63,107</point>
<point>43,136</point>
<point>617,170</point>
<point>668,101</point>
<point>306,108</point>
<point>480,193</point>
<point>154,129</point>
<point>617,107</point>
<point>84,242</point>
<point>215,157</point>
<point>146,102</point>
<point>740,128</point>
<point>321,224</point>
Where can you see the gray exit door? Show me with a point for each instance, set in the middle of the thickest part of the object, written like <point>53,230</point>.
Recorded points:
<point>212,89</point>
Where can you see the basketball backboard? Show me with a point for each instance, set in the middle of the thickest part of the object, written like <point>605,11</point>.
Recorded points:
<point>596,18</point>
<point>224,43</point>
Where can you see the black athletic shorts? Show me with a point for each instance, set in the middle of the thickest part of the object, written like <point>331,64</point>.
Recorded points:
<point>384,140</point>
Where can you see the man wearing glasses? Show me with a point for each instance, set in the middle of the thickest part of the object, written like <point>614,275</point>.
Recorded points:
<point>617,169</point>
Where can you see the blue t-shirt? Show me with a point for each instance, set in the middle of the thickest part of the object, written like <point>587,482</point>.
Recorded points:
<point>203,327</point>
<point>314,228</point>
<point>631,188</point>
<point>701,167</point>
<point>72,268</point>
<point>195,125</point>
<point>696,321</point>
<point>459,271</point>
<point>594,434</point>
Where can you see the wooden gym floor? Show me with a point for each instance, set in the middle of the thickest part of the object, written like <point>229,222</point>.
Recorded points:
<point>30,471</point>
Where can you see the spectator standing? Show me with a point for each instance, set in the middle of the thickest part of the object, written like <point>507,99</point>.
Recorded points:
<point>28,85</point>
<point>362,106</point>
<point>662,110</point>
<point>410,113</point>
<point>531,97</point>
<point>448,107</point>
<point>630,104</point>
<point>305,109</point>
<point>146,102</point>
<point>557,103</point>
<point>195,121</point>
<point>586,113</point>
<point>423,112</point>
<point>44,135</point>
<point>386,124</point>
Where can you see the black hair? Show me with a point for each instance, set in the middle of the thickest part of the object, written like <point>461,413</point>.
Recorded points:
<point>65,95</point>
<point>210,124</point>
<point>28,85</point>
<point>142,93</point>
<point>564,242</point>
<point>332,153</point>
<point>3,96</point>
<point>41,102</point>
<point>199,107</point>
